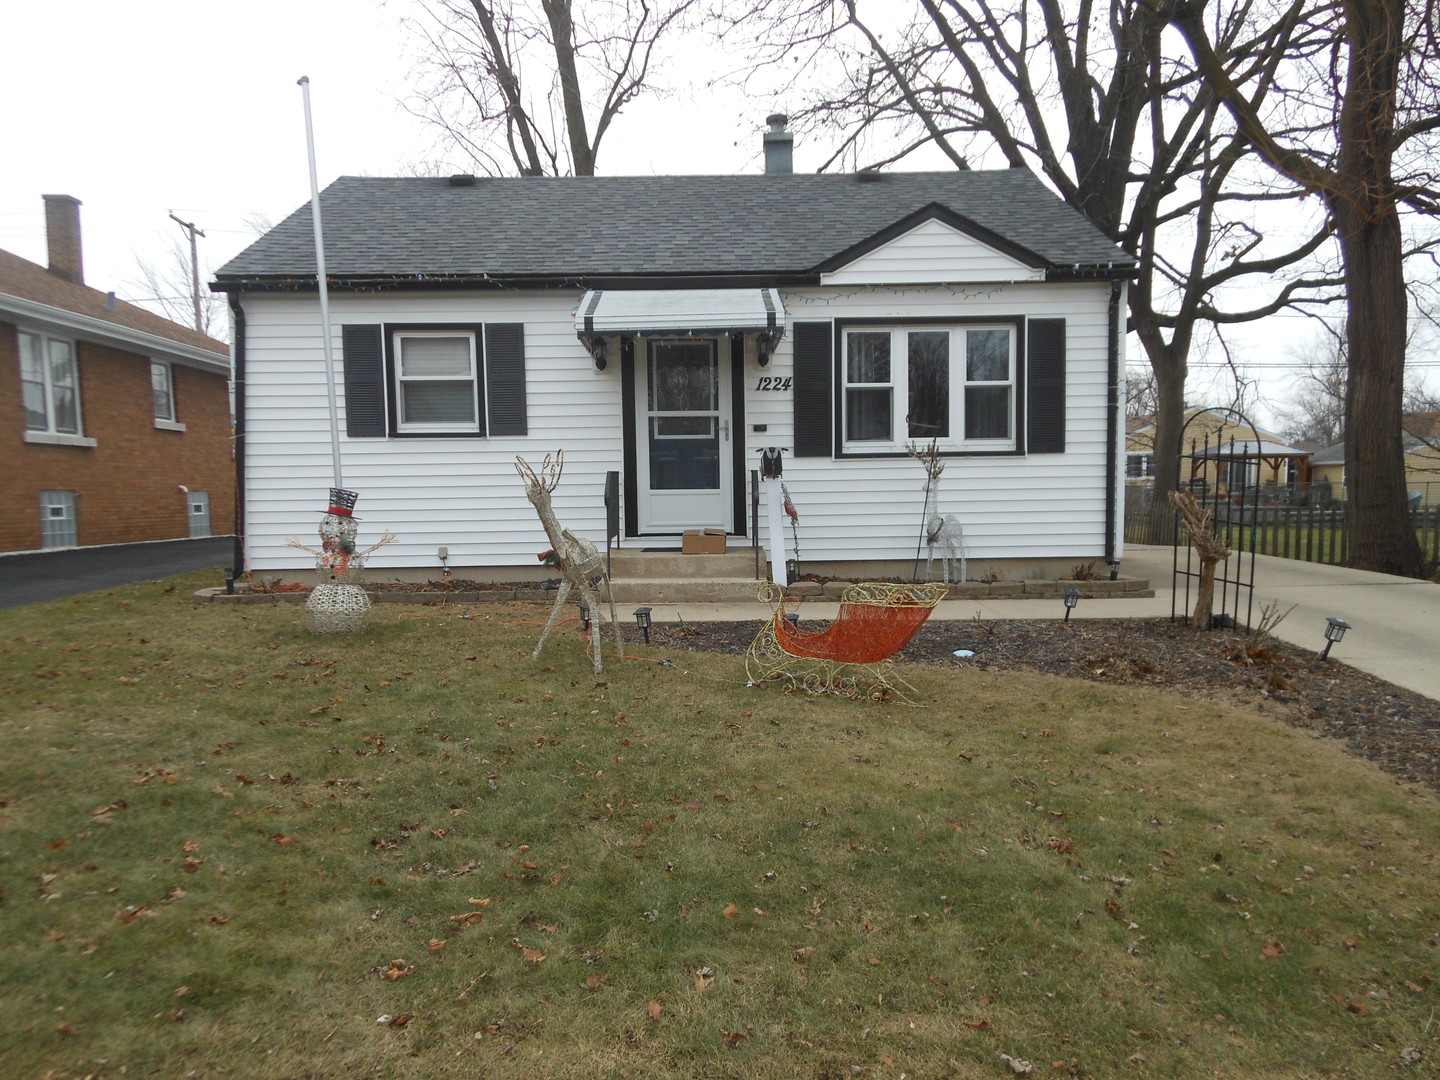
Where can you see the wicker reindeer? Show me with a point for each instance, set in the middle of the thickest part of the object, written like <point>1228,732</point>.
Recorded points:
<point>575,557</point>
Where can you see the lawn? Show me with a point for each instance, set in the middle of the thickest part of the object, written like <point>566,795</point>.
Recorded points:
<point>231,849</point>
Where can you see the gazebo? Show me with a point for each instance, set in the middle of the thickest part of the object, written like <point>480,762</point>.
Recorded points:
<point>1242,463</point>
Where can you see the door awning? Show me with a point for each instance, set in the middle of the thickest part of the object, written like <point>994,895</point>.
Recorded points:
<point>608,313</point>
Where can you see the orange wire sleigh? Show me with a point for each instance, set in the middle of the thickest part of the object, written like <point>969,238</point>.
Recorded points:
<point>853,655</point>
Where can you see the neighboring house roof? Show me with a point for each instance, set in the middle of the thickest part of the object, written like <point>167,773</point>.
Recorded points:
<point>32,295</point>
<point>1331,455</point>
<point>1249,448</point>
<point>1422,426</point>
<point>1141,425</point>
<point>554,229</point>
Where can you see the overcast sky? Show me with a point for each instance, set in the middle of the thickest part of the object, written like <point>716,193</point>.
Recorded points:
<point>142,109</point>
<point>161,106</point>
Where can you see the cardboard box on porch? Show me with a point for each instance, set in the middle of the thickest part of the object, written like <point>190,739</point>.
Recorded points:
<point>703,542</point>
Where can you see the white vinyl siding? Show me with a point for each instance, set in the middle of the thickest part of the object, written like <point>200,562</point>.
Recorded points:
<point>464,493</point>
<point>932,252</point>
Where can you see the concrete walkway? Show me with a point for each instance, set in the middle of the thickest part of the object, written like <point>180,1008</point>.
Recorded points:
<point>1396,621</point>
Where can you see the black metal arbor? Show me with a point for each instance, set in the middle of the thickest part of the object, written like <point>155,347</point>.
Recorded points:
<point>1219,472</point>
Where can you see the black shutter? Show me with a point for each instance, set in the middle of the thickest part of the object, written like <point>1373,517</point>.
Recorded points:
<point>814,377</point>
<point>505,377</point>
<point>1045,387</point>
<point>364,365</point>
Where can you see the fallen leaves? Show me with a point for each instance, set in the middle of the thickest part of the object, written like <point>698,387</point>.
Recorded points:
<point>654,1009</point>
<point>398,969</point>
<point>1273,951</point>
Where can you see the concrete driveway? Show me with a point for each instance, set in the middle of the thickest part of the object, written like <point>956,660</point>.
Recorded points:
<point>50,575</point>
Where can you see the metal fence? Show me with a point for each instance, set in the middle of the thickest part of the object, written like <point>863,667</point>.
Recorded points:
<point>1293,521</point>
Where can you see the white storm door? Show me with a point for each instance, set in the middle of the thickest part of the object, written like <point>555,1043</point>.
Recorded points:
<point>684,459</point>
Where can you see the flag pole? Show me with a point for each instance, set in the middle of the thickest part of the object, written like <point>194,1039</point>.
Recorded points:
<point>322,281</point>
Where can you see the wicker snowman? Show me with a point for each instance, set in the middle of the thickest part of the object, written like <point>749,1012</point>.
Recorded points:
<point>338,604</point>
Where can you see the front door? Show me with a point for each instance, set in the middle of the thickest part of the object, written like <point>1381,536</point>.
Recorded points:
<point>684,456</point>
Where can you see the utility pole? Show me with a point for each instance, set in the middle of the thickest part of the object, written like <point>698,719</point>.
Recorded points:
<point>190,228</point>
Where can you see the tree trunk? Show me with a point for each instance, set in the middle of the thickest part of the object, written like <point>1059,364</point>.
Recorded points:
<point>1365,209</point>
<point>562,33</point>
<point>1169,418</point>
<point>1381,537</point>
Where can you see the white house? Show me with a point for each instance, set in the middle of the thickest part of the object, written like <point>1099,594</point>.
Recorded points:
<point>669,329</point>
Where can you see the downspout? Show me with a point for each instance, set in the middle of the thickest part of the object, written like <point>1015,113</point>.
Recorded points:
<point>1112,427</point>
<point>237,559</point>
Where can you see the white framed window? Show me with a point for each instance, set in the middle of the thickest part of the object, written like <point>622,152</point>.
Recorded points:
<point>1139,466</point>
<point>437,388</point>
<point>162,387</point>
<point>50,385</point>
<point>951,383</point>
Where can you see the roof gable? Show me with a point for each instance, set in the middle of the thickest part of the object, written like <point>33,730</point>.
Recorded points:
<point>933,245</point>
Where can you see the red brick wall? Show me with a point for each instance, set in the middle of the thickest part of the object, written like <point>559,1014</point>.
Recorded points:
<point>128,485</point>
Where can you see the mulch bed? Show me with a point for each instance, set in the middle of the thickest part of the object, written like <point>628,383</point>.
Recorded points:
<point>1397,729</point>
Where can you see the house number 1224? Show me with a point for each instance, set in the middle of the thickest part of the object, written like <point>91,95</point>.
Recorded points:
<point>772,382</point>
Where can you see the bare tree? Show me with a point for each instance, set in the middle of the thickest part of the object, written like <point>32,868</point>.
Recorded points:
<point>1089,97</point>
<point>166,286</point>
<point>1141,397</point>
<point>1315,412</point>
<point>1379,77</point>
<point>532,86</point>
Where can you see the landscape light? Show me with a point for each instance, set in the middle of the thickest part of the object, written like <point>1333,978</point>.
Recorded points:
<point>584,615</point>
<point>642,620</point>
<point>1334,631</point>
<point>1072,597</point>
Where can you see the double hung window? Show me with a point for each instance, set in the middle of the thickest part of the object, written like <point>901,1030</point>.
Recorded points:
<point>163,390</point>
<point>436,383</point>
<point>50,384</point>
<point>953,384</point>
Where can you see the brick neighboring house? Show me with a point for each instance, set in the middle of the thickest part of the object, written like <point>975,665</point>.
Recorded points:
<point>114,422</point>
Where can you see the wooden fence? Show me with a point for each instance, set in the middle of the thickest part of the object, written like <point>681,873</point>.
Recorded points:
<point>1310,533</point>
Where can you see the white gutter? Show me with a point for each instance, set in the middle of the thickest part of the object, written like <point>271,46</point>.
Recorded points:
<point>44,316</point>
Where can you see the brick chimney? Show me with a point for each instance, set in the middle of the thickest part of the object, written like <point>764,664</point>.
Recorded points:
<point>62,233</point>
<point>779,146</point>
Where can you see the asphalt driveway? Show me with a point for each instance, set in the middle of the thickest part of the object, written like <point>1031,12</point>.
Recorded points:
<point>50,575</point>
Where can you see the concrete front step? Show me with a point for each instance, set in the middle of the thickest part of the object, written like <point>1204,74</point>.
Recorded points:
<point>687,591</point>
<point>633,564</point>
<point>672,577</point>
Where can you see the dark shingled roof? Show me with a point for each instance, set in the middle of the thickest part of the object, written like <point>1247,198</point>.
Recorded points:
<point>772,226</point>
<point>30,281</point>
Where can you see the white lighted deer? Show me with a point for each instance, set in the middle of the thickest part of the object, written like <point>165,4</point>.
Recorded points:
<point>577,559</point>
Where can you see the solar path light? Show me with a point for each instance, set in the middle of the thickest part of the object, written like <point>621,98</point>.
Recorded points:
<point>1334,631</point>
<point>1072,597</point>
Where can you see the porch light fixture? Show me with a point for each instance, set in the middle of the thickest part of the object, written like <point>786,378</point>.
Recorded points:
<point>642,620</point>
<point>1334,631</point>
<point>1072,597</point>
<point>584,615</point>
